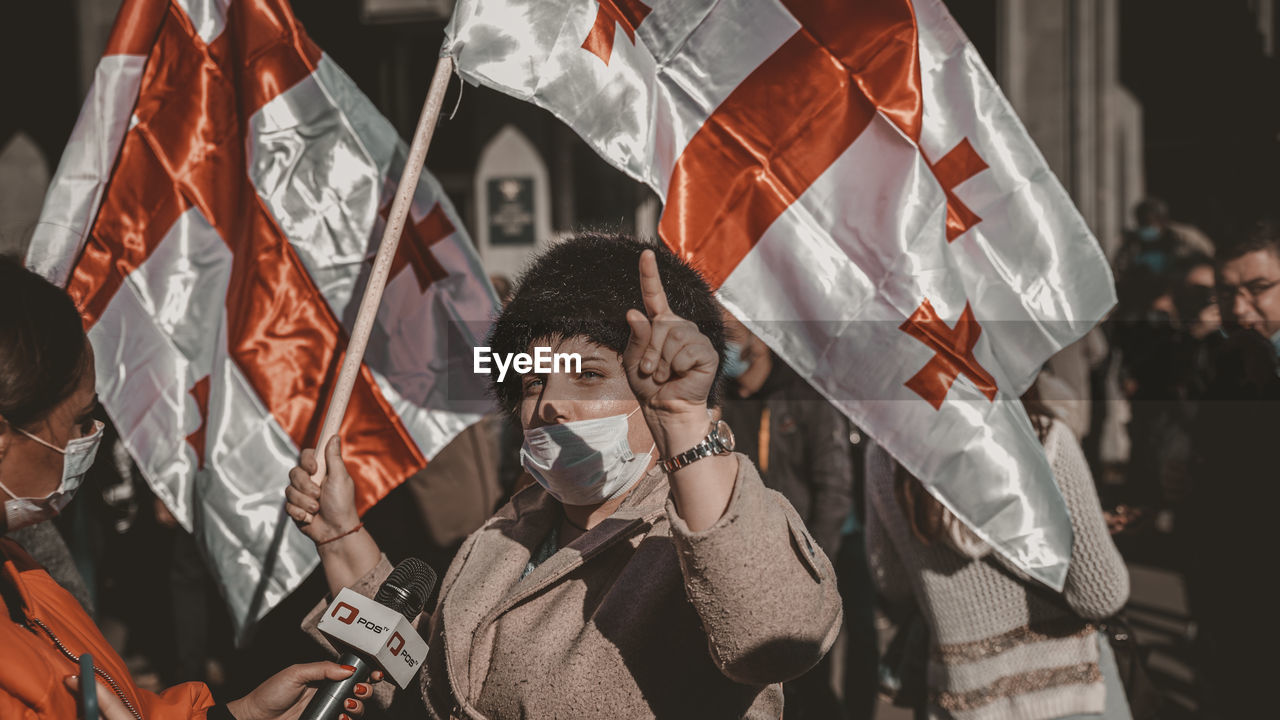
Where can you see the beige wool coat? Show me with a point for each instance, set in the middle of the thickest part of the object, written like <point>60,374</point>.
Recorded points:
<point>637,618</point>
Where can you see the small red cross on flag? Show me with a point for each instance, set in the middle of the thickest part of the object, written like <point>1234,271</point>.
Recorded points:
<point>416,243</point>
<point>954,348</point>
<point>958,165</point>
<point>611,13</point>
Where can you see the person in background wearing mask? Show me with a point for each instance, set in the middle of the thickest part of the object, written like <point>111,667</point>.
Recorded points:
<point>801,440</point>
<point>805,450</point>
<point>48,440</point>
<point>1158,243</point>
<point>1149,271</point>
<point>1150,247</point>
<point>649,572</point>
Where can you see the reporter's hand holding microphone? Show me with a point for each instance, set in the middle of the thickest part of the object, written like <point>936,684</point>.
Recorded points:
<point>285,694</point>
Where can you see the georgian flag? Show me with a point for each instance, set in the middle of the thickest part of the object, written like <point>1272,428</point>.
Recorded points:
<point>853,183</point>
<point>214,215</point>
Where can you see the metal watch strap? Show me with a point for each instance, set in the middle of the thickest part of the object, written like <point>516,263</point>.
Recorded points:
<point>709,446</point>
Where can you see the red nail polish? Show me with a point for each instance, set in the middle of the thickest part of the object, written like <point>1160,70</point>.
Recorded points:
<point>362,689</point>
<point>344,716</point>
<point>349,668</point>
<point>350,704</point>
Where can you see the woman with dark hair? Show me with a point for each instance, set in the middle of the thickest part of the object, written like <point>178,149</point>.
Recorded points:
<point>1001,646</point>
<point>647,572</point>
<point>48,440</point>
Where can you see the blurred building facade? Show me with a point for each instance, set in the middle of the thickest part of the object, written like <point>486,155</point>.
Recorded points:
<point>1058,61</point>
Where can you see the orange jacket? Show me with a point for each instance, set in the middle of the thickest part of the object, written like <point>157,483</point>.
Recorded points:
<point>32,667</point>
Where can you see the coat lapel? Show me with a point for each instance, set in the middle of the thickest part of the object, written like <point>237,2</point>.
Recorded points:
<point>490,584</point>
<point>493,564</point>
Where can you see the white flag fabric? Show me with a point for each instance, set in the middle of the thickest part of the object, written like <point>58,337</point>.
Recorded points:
<point>214,216</point>
<point>851,180</point>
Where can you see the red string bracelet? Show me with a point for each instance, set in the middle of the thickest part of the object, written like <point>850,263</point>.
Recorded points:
<point>340,535</point>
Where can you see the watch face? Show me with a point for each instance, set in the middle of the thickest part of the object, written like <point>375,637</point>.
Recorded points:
<point>724,436</point>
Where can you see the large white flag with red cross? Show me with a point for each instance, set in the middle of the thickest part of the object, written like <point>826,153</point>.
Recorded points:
<point>214,215</point>
<point>848,176</point>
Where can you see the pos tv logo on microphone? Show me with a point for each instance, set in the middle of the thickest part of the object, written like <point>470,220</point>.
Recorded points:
<point>350,615</point>
<point>378,632</point>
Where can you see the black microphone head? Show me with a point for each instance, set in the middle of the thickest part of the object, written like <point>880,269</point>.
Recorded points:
<point>407,588</point>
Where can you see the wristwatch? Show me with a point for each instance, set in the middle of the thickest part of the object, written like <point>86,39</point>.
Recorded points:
<point>717,442</point>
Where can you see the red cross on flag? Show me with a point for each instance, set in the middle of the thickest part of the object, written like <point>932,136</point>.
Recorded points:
<point>214,215</point>
<point>851,180</point>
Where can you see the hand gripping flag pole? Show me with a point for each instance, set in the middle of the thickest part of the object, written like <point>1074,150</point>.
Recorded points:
<point>368,312</point>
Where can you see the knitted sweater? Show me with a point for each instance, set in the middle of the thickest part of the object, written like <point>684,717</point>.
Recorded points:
<point>999,649</point>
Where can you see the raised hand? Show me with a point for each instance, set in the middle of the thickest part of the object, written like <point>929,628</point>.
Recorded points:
<point>670,364</point>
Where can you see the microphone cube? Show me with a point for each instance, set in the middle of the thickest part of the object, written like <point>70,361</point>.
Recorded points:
<point>376,631</point>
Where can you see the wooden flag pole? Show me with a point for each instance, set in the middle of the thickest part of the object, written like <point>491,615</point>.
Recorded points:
<point>382,262</point>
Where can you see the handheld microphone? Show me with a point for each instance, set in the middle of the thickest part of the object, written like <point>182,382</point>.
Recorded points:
<point>375,634</point>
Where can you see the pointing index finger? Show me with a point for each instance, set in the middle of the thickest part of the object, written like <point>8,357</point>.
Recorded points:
<point>655,297</point>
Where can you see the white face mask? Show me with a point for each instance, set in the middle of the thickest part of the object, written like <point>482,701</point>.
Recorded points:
<point>585,462</point>
<point>77,458</point>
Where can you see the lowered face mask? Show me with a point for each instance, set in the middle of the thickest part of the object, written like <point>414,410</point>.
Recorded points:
<point>77,457</point>
<point>585,462</point>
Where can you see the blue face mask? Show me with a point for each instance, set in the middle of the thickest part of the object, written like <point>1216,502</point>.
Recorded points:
<point>1153,260</point>
<point>1148,233</point>
<point>734,365</point>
